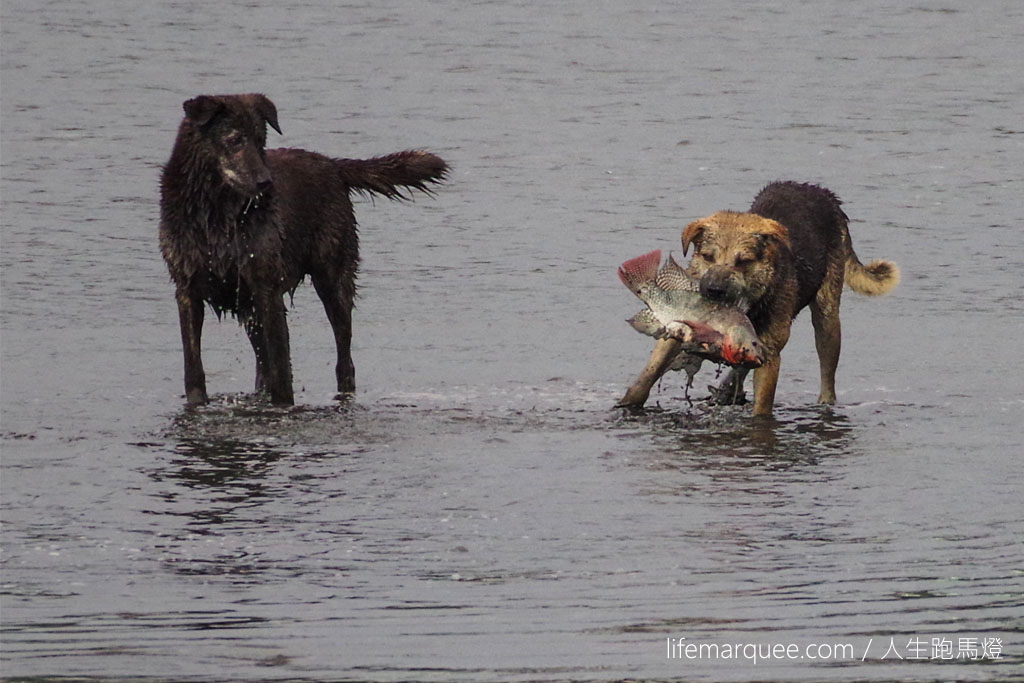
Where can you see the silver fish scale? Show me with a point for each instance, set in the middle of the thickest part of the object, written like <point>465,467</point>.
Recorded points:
<point>670,305</point>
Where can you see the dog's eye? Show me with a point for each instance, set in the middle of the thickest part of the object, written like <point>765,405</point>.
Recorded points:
<point>234,140</point>
<point>744,260</point>
<point>707,256</point>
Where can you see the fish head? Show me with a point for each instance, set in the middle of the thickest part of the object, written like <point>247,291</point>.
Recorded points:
<point>742,348</point>
<point>737,345</point>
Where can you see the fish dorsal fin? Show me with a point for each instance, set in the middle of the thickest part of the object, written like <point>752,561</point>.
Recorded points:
<point>673,278</point>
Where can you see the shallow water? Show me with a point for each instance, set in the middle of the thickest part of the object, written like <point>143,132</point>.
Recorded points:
<point>480,511</point>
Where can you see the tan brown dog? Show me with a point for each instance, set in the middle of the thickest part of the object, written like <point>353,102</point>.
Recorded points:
<point>791,250</point>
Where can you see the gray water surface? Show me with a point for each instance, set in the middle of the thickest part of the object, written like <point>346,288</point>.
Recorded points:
<point>480,511</point>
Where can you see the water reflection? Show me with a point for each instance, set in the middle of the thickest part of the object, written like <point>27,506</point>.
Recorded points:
<point>219,491</point>
<point>731,437</point>
<point>239,470</point>
<point>225,452</point>
<point>219,479</point>
<point>220,464</point>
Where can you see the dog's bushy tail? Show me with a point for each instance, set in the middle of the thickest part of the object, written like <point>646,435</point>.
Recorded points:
<point>877,277</point>
<point>387,175</point>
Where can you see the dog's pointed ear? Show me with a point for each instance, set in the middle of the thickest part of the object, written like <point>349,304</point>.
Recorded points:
<point>772,231</point>
<point>692,234</point>
<point>267,110</point>
<point>200,110</point>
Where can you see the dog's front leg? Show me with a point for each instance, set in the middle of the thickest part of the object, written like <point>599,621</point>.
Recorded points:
<point>259,346</point>
<point>665,351</point>
<point>190,315</point>
<point>272,318</point>
<point>766,378</point>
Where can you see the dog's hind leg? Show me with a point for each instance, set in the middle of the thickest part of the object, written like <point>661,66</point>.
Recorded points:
<point>337,300</point>
<point>828,341</point>
<point>190,315</point>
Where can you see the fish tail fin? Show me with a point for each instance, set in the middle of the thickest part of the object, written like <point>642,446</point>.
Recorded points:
<point>641,270</point>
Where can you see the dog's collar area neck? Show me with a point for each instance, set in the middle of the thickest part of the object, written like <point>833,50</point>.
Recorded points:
<point>251,204</point>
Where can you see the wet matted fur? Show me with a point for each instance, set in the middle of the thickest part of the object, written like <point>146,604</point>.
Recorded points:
<point>241,226</point>
<point>791,250</point>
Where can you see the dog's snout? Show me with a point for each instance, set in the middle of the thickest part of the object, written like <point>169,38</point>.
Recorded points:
<point>714,290</point>
<point>261,176</point>
<point>717,284</point>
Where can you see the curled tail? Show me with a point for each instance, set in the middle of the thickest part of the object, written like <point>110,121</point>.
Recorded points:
<point>386,175</point>
<point>877,277</point>
<point>640,271</point>
<point>873,279</point>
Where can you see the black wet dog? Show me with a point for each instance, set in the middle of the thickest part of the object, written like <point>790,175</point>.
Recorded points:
<point>241,226</point>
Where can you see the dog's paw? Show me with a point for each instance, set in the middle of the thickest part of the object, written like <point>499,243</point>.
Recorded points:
<point>196,397</point>
<point>727,396</point>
